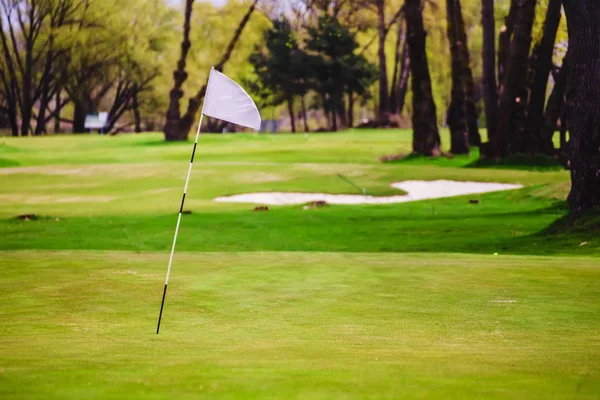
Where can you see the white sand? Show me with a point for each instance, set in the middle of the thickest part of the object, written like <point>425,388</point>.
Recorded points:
<point>417,190</point>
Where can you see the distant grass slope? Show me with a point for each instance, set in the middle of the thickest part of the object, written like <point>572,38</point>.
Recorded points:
<point>124,192</point>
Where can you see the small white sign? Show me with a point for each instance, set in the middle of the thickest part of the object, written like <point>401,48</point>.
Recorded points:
<point>96,121</point>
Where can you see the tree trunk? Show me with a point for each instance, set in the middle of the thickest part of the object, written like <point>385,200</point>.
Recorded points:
<point>393,106</point>
<point>393,96</point>
<point>173,121</point>
<point>27,89</point>
<point>504,40</point>
<point>57,110</point>
<point>503,142</point>
<point>583,92</point>
<point>79,113</point>
<point>403,81</point>
<point>136,112</point>
<point>342,114</point>
<point>467,78</point>
<point>325,102</point>
<point>194,103</point>
<point>290,103</point>
<point>304,117</point>
<point>490,94</point>
<point>555,107</point>
<point>350,109</point>
<point>334,116</point>
<point>456,114</point>
<point>12,118</point>
<point>426,138</point>
<point>177,126</point>
<point>40,126</point>
<point>535,112</point>
<point>383,114</point>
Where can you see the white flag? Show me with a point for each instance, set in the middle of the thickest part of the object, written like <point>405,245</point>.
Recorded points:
<point>226,100</point>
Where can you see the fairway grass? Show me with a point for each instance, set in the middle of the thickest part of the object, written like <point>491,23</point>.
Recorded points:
<point>81,324</point>
<point>466,297</point>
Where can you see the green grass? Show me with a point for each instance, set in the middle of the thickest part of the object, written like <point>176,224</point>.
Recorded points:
<point>396,301</point>
<point>297,325</point>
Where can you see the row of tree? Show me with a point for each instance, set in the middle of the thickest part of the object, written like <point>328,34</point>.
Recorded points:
<point>80,55</point>
<point>518,117</point>
<point>63,59</point>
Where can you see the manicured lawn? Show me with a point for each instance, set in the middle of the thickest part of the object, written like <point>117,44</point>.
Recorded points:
<point>396,301</point>
<point>80,324</point>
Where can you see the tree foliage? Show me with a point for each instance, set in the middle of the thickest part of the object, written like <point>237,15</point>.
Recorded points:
<point>282,66</point>
<point>86,55</point>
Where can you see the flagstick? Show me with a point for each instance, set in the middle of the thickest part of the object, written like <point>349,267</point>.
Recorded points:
<point>178,221</point>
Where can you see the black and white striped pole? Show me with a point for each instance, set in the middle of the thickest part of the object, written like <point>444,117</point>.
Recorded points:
<point>187,180</point>
<point>227,101</point>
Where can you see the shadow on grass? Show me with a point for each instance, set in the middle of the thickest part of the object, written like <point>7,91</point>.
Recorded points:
<point>210,137</point>
<point>586,223</point>
<point>446,160</point>
<point>531,231</point>
<point>4,162</point>
<point>163,142</point>
<point>526,162</point>
<point>523,162</point>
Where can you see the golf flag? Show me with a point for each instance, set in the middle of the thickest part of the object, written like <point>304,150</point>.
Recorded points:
<point>227,101</point>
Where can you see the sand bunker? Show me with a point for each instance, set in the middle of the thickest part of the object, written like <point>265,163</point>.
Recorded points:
<point>417,190</point>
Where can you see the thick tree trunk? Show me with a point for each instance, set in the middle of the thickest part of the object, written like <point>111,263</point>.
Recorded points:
<point>27,103</point>
<point>172,127</point>
<point>503,142</point>
<point>583,92</point>
<point>555,107</point>
<point>456,114</point>
<point>533,141</point>
<point>467,79</point>
<point>383,114</point>
<point>490,94</point>
<point>290,104</point>
<point>504,40</point>
<point>426,138</point>
<point>79,113</point>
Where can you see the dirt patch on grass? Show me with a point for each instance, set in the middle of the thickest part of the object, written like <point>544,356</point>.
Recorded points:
<point>122,170</point>
<point>258,177</point>
<point>51,199</point>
